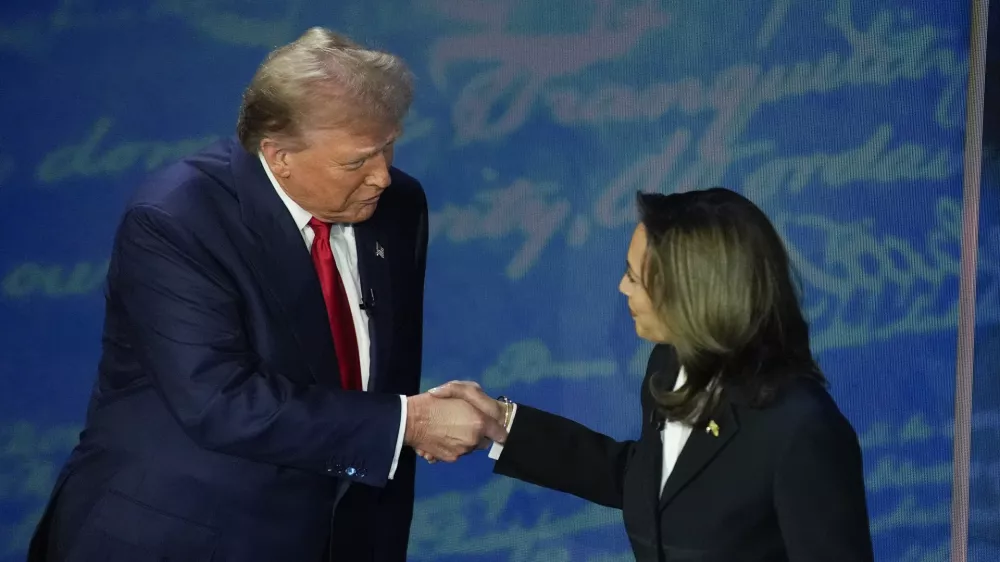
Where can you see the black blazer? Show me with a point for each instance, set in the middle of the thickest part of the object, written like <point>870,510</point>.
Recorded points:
<point>781,483</point>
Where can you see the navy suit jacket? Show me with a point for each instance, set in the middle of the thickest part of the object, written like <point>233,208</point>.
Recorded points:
<point>217,428</point>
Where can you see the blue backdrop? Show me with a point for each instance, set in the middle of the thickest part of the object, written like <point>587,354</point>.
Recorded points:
<point>534,124</point>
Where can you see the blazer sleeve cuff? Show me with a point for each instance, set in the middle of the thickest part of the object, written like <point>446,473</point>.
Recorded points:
<point>497,448</point>
<point>399,436</point>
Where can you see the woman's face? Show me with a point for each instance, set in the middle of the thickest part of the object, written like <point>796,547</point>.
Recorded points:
<point>647,324</point>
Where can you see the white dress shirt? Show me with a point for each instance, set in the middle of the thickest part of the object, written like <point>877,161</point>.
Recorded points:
<point>345,254</point>
<point>674,436</point>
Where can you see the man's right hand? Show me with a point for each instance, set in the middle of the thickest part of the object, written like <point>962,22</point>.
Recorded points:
<point>447,428</point>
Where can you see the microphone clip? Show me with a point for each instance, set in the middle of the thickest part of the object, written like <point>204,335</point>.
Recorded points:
<point>368,304</point>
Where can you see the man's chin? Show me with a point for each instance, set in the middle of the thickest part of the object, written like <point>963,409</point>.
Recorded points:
<point>357,212</point>
<point>365,211</point>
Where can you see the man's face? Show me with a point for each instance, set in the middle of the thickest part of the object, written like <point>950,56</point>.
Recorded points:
<point>341,173</point>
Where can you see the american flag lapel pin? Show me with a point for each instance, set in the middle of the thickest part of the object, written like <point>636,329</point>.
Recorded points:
<point>379,250</point>
<point>712,428</point>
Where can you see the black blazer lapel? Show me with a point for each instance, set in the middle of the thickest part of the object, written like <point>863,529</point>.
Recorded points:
<point>374,255</point>
<point>662,363</point>
<point>284,266</point>
<point>702,446</point>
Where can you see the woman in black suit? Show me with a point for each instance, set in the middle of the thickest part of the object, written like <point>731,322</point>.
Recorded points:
<point>743,455</point>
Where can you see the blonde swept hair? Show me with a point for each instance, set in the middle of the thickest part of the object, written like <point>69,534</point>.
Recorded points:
<point>322,80</point>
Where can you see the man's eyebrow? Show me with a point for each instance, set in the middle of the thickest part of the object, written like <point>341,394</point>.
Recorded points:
<point>373,151</point>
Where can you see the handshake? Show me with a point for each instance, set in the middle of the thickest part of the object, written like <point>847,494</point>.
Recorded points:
<point>451,420</point>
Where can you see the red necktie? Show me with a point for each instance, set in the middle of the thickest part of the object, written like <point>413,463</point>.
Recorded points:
<point>338,309</point>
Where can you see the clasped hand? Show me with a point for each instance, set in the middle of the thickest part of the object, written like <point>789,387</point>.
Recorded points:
<point>451,420</point>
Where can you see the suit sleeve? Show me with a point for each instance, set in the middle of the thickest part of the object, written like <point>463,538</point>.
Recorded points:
<point>550,451</point>
<point>189,336</point>
<point>820,494</point>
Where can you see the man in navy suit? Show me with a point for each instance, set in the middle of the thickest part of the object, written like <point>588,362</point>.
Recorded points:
<point>258,393</point>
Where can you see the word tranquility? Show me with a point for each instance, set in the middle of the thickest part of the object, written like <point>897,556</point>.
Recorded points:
<point>525,71</point>
<point>497,102</point>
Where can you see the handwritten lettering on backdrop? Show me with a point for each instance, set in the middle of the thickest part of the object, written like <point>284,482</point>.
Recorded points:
<point>863,283</point>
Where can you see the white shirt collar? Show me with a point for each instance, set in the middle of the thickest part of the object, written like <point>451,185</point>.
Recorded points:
<point>299,215</point>
<point>681,378</point>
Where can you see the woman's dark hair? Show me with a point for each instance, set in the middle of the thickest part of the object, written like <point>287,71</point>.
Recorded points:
<point>719,277</point>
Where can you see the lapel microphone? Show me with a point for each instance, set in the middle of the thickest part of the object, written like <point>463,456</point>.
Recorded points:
<point>368,305</point>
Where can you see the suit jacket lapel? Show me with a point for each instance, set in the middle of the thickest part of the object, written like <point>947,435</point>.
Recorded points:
<point>374,255</point>
<point>284,266</point>
<point>663,363</point>
<point>702,446</point>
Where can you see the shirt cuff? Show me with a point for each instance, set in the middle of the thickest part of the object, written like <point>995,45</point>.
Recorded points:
<point>497,448</point>
<point>399,438</point>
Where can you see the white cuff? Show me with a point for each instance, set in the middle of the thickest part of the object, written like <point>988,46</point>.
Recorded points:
<point>399,438</point>
<point>497,448</point>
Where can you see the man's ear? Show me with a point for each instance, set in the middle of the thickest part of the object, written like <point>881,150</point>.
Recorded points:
<point>276,157</point>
